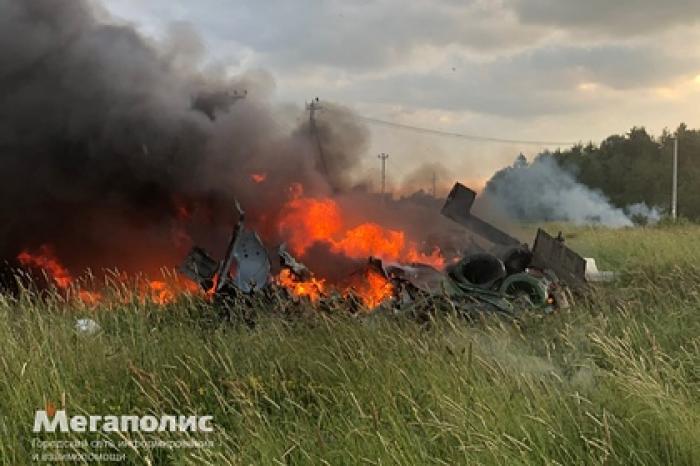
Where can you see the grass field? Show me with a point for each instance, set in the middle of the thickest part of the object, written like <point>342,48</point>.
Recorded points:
<point>615,380</point>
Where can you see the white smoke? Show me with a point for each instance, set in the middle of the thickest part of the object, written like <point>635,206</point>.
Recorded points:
<point>543,191</point>
<point>642,213</point>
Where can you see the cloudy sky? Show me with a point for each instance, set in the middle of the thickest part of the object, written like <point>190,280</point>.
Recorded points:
<point>548,70</point>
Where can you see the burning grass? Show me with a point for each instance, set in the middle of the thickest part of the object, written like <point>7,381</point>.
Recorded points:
<point>613,381</point>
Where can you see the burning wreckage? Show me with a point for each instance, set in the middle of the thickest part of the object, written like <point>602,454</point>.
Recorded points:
<point>512,278</point>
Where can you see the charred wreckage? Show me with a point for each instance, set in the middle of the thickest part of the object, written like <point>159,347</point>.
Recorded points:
<point>516,277</point>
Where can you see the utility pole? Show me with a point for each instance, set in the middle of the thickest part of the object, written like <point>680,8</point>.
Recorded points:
<point>674,192</point>
<point>312,108</point>
<point>383,158</point>
<point>434,184</point>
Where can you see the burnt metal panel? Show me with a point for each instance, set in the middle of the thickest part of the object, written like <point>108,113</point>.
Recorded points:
<point>458,208</point>
<point>199,267</point>
<point>253,263</point>
<point>551,253</point>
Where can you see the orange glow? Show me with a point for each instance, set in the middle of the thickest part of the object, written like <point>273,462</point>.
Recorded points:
<point>373,289</point>
<point>45,259</point>
<point>305,221</point>
<point>165,292</point>
<point>91,298</point>
<point>434,258</point>
<point>158,291</point>
<point>295,190</point>
<point>370,239</point>
<point>182,212</point>
<point>258,177</point>
<point>313,289</point>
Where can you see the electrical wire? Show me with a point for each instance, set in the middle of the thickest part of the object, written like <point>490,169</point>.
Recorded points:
<point>470,137</point>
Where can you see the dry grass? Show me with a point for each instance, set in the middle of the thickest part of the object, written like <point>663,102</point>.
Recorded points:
<point>614,381</point>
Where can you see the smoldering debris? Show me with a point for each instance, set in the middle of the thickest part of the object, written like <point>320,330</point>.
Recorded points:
<point>542,278</point>
<point>122,152</point>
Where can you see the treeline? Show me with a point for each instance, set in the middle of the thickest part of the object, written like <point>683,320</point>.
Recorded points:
<point>637,167</point>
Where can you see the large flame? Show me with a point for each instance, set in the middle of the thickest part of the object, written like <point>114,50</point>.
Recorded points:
<point>305,221</point>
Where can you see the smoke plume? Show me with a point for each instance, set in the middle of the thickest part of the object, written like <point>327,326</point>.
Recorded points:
<point>109,141</point>
<point>543,191</point>
<point>120,151</point>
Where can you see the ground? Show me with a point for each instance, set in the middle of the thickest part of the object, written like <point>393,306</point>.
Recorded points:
<point>615,380</point>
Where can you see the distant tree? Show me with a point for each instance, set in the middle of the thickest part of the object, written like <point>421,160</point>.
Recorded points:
<point>636,167</point>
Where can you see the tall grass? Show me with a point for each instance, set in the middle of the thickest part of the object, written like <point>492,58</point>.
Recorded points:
<point>615,380</point>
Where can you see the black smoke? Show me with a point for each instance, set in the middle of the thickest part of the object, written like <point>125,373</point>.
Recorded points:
<point>105,155</point>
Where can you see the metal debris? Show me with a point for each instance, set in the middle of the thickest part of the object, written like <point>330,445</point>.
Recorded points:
<point>300,271</point>
<point>200,268</point>
<point>245,249</point>
<point>514,278</point>
<point>595,275</point>
<point>253,264</point>
<point>552,254</point>
<point>458,208</point>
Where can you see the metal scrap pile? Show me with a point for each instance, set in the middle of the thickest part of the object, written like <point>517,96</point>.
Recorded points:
<point>513,278</point>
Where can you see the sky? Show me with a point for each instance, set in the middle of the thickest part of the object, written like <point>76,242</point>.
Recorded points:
<point>545,70</point>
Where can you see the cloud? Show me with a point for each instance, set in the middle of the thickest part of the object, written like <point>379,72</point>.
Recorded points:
<point>355,34</point>
<point>547,80</point>
<point>611,17</point>
<point>527,69</point>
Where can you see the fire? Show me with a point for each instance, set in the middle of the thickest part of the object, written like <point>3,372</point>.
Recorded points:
<point>258,177</point>
<point>165,292</point>
<point>91,298</point>
<point>45,259</point>
<point>373,289</point>
<point>313,289</point>
<point>370,239</point>
<point>158,291</point>
<point>305,221</point>
<point>434,258</point>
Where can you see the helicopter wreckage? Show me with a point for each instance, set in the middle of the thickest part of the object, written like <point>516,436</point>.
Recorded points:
<point>511,278</point>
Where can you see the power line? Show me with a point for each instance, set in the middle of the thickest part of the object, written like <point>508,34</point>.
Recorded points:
<point>464,136</point>
<point>471,137</point>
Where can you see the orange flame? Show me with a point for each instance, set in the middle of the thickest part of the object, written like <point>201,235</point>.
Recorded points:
<point>313,289</point>
<point>258,177</point>
<point>158,291</point>
<point>373,289</point>
<point>45,259</point>
<point>165,292</point>
<point>370,239</point>
<point>305,221</point>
